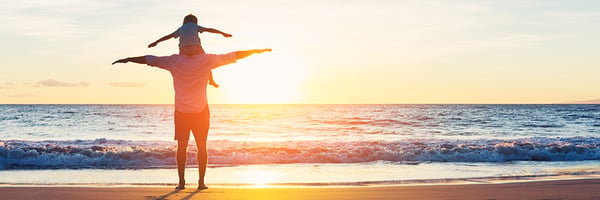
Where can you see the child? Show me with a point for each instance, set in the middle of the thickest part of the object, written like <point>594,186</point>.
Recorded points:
<point>189,42</point>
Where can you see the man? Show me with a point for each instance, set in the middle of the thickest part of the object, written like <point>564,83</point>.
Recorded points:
<point>190,76</point>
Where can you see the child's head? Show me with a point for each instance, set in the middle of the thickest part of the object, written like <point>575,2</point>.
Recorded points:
<point>190,18</point>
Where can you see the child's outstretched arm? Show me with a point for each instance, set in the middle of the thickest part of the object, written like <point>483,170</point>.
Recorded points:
<point>166,37</point>
<point>212,30</point>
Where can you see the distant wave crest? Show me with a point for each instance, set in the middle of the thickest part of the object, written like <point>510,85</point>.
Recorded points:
<point>122,154</point>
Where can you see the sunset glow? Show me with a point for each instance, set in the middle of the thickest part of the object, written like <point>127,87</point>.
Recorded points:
<point>274,78</point>
<point>331,52</point>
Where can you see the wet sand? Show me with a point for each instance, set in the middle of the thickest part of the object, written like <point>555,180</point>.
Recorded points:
<point>555,189</point>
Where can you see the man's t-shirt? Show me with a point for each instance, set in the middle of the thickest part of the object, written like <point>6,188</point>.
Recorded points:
<point>188,34</point>
<point>190,77</point>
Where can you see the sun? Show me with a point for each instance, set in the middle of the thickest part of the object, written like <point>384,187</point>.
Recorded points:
<point>268,78</point>
<point>258,177</point>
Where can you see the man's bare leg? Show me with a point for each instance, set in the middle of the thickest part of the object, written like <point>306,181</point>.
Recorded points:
<point>181,162</point>
<point>202,157</point>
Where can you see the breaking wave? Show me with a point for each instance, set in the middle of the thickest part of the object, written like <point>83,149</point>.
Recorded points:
<point>124,154</point>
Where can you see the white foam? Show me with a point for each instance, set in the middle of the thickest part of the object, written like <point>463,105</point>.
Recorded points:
<point>119,154</point>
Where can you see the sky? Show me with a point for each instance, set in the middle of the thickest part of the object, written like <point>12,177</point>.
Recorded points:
<point>324,52</point>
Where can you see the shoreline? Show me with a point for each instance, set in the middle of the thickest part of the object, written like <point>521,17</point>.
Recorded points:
<point>547,189</point>
<point>390,183</point>
<point>441,182</point>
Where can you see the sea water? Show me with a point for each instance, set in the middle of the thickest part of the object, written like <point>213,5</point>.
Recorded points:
<point>300,144</point>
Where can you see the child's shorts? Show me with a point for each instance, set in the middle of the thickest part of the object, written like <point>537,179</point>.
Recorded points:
<point>190,50</point>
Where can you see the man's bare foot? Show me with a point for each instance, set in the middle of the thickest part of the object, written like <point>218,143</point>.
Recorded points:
<point>201,186</point>
<point>214,84</point>
<point>181,185</point>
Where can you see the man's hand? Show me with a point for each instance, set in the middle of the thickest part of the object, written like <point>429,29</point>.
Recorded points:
<point>152,44</point>
<point>263,50</point>
<point>226,35</point>
<point>246,53</point>
<point>124,60</point>
<point>138,59</point>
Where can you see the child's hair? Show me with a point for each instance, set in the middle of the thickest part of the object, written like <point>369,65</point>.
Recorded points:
<point>190,18</point>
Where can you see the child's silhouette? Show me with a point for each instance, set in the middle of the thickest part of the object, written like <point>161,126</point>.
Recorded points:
<point>189,42</point>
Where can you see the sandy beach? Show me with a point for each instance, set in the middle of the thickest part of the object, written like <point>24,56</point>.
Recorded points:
<point>555,189</point>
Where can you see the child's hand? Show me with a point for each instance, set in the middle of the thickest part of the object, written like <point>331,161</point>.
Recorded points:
<point>227,35</point>
<point>152,44</point>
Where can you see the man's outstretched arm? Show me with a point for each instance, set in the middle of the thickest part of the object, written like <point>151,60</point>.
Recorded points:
<point>243,54</point>
<point>238,55</point>
<point>139,60</point>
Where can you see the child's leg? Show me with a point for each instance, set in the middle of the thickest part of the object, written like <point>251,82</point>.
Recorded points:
<point>211,81</point>
<point>197,50</point>
<point>200,50</point>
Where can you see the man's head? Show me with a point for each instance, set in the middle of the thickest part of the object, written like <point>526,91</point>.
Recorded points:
<point>190,18</point>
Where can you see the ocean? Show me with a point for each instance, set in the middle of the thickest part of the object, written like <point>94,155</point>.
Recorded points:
<point>317,145</point>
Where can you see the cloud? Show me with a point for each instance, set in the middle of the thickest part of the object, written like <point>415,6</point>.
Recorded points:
<point>7,85</point>
<point>49,20</point>
<point>592,101</point>
<point>23,95</point>
<point>126,84</point>
<point>55,83</point>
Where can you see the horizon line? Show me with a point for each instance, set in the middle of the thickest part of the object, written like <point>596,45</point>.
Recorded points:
<point>562,103</point>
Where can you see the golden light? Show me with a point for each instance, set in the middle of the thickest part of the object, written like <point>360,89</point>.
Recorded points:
<point>268,78</point>
<point>258,177</point>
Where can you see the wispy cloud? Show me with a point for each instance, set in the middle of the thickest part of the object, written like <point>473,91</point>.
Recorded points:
<point>591,101</point>
<point>49,20</point>
<point>126,84</point>
<point>20,96</point>
<point>7,85</point>
<point>55,83</point>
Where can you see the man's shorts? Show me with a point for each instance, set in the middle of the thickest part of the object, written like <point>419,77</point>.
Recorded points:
<point>198,123</point>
